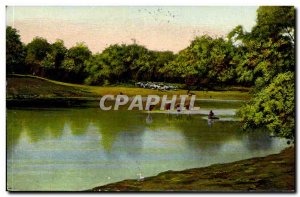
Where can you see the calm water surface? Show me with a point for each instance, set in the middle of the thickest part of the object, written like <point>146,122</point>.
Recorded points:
<point>78,149</point>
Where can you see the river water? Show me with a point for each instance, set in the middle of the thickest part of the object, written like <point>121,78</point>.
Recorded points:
<point>70,149</point>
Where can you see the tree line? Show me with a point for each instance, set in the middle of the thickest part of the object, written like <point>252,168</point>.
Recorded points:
<point>118,63</point>
<point>238,59</point>
<point>206,63</point>
<point>263,58</point>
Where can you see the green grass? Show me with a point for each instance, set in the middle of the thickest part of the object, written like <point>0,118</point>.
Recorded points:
<point>19,87</point>
<point>274,173</point>
<point>27,86</point>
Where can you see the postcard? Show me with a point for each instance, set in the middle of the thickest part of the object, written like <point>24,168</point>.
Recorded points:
<point>150,98</point>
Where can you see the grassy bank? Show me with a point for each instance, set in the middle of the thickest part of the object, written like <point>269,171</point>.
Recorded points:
<point>32,87</point>
<point>268,174</point>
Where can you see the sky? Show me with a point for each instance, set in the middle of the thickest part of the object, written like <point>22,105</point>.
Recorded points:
<point>158,28</point>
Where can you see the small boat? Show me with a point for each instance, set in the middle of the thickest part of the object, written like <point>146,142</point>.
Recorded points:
<point>213,117</point>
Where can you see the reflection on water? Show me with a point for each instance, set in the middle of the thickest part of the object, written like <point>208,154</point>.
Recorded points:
<point>210,122</point>
<point>76,149</point>
<point>149,119</point>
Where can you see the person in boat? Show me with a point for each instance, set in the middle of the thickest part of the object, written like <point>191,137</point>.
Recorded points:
<point>211,114</point>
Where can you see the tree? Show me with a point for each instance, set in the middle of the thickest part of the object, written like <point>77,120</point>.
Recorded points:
<point>206,62</point>
<point>270,60</point>
<point>15,52</point>
<point>37,50</point>
<point>275,22</point>
<point>52,63</point>
<point>96,72</point>
<point>273,107</point>
<point>159,61</point>
<point>268,49</point>
<point>74,63</point>
<point>59,51</point>
<point>123,63</point>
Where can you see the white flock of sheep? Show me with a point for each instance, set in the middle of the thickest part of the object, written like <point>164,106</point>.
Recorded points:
<point>156,86</point>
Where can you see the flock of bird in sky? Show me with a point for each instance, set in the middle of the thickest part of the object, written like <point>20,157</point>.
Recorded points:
<point>159,14</point>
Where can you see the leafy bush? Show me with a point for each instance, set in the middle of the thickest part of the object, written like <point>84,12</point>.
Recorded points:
<point>273,107</point>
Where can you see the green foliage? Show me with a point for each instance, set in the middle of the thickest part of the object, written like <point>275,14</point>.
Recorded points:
<point>206,61</point>
<point>273,107</point>
<point>37,50</point>
<point>52,63</point>
<point>259,62</point>
<point>15,52</point>
<point>59,51</point>
<point>236,34</point>
<point>268,49</point>
<point>74,63</point>
<point>269,62</point>
<point>122,63</point>
<point>275,22</point>
<point>95,69</point>
<point>48,62</point>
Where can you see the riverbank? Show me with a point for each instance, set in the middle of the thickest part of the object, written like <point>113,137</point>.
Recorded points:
<point>273,173</point>
<point>26,87</point>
